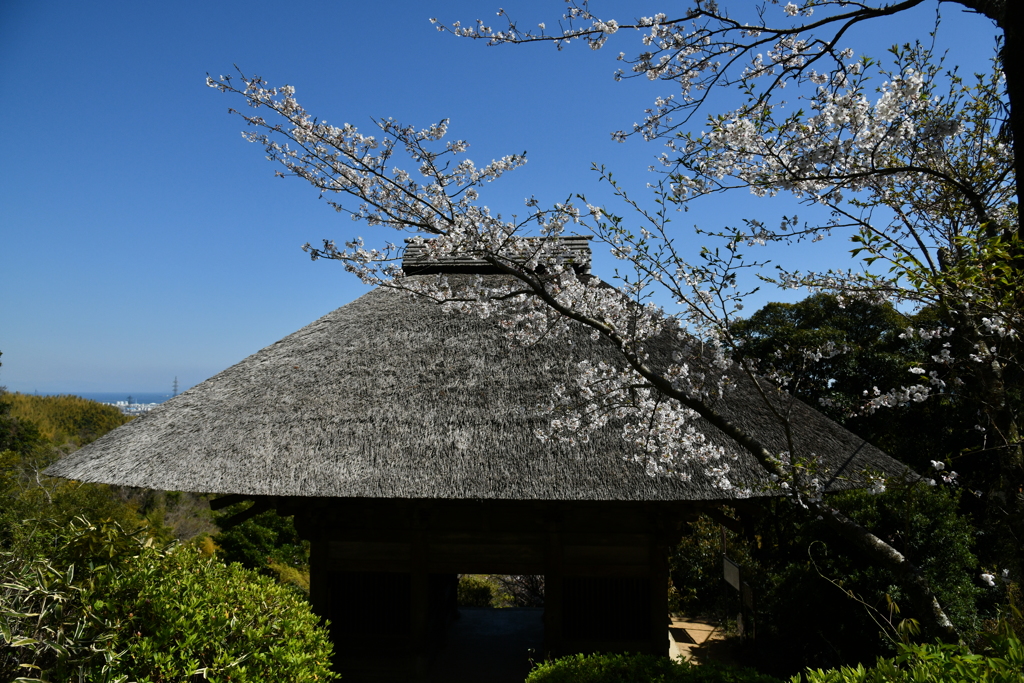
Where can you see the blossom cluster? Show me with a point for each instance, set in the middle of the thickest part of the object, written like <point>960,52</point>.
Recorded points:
<point>669,440</point>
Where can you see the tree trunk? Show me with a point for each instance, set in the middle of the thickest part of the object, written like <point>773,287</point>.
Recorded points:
<point>934,622</point>
<point>1012,460</point>
<point>1012,58</point>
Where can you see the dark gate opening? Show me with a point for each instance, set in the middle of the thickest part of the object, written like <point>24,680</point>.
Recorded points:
<point>371,615</point>
<point>490,645</point>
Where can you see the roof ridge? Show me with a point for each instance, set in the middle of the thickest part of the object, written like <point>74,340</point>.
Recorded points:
<point>417,259</point>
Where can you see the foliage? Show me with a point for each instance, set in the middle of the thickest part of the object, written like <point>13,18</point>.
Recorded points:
<point>101,602</point>
<point>936,663</point>
<point>122,608</point>
<point>876,350</point>
<point>33,513</point>
<point>186,614</point>
<point>816,605</point>
<point>804,580</point>
<point>695,568</point>
<point>474,591</point>
<point>64,419</point>
<point>501,590</point>
<point>519,590</point>
<point>45,624</point>
<point>923,523</point>
<point>871,349</point>
<point>626,668</point>
<point>288,575</point>
<point>34,431</point>
<point>16,434</point>
<point>261,540</point>
<point>174,515</point>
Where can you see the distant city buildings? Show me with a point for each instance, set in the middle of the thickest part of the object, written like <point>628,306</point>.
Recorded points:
<point>133,408</point>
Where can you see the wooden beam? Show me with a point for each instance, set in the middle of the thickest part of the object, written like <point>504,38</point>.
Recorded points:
<point>419,611</point>
<point>319,588</point>
<point>258,507</point>
<point>230,499</point>
<point>728,522</point>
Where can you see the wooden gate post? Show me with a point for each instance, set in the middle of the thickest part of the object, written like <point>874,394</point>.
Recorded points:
<point>419,611</point>
<point>658,596</point>
<point>553,593</point>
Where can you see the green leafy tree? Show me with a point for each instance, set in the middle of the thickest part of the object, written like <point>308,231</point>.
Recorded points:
<point>17,435</point>
<point>67,420</point>
<point>876,351</point>
<point>803,580</point>
<point>261,540</point>
<point>35,431</point>
<point>867,346</point>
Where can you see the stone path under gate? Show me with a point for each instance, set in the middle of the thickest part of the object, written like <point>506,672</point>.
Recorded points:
<point>699,640</point>
<point>492,645</point>
<point>497,645</point>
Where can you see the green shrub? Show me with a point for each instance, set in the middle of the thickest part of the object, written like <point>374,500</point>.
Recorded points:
<point>618,668</point>
<point>125,608</point>
<point>516,590</point>
<point>287,575</point>
<point>34,515</point>
<point>20,436</point>
<point>33,507</point>
<point>1004,663</point>
<point>45,626</point>
<point>474,591</point>
<point>182,614</point>
<point>924,524</point>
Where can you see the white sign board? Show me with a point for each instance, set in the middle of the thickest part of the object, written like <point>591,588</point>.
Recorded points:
<point>731,571</point>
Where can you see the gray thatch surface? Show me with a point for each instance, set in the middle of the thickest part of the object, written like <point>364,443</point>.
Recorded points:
<point>390,397</point>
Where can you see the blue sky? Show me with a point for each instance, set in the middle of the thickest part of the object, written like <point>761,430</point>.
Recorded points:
<point>141,239</point>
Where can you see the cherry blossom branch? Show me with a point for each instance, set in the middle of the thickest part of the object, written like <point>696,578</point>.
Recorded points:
<point>657,403</point>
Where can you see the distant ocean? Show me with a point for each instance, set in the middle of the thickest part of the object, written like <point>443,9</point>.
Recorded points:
<point>115,396</point>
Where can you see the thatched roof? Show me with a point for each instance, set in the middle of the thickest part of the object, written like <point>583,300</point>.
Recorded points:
<point>572,250</point>
<point>391,397</point>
